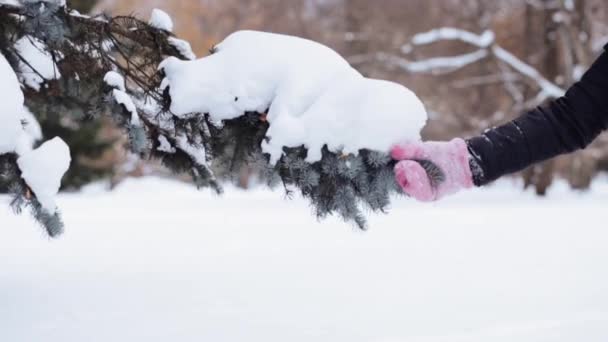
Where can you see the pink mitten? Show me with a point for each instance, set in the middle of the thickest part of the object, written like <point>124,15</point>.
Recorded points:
<point>452,158</point>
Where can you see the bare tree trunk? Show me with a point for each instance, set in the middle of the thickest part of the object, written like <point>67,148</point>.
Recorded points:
<point>542,32</point>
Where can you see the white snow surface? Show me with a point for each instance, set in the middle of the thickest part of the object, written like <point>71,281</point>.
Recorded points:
<point>34,52</point>
<point>312,95</point>
<point>158,261</point>
<point>43,168</point>
<point>161,20</point>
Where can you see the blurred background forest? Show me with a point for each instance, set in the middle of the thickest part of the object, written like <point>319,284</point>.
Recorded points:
<point>465,89</point>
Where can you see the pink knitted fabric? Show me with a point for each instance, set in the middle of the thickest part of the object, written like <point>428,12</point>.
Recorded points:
<point>451,157</point>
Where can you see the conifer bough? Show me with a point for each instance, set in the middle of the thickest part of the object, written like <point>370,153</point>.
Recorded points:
<point>138,73</point>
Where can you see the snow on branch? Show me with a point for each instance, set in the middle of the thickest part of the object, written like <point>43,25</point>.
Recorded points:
<point>286,110</point>
<point>483,40</point>
<point>66,62</point>
<point>548,88</point>
<point>33,175</point>
<point>315,133</point>
<point>436,64</point>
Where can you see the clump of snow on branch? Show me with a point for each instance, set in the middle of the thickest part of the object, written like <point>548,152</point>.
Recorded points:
<point>312,96</point>
<point>43,168</point>
<point>115,80</point>
<point>184,48</point>
<point>197,152</point>
<point>352,114</point>
<point>448,33</point>
<point>161,20</point>
<point>437,64</point>
<point>137,135</point>
<point>165,145</point>
<point>37,65</point>
<point>548,88</point>
<point>124,99</point>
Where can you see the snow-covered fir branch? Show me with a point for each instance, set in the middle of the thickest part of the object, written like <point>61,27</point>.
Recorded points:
<point>52,57</point>
<point>294,112</point>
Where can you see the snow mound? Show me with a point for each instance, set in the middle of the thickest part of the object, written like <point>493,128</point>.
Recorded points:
<point>43,168</point>
<point>161,20</point>
<point>312,95</point>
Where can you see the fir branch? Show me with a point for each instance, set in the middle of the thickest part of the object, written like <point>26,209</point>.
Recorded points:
<point>23,197</point>
<point>346,186</point>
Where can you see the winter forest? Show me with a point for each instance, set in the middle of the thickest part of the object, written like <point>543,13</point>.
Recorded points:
<point>226,170</point>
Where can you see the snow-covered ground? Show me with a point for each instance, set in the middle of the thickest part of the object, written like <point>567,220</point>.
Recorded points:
<point>158,261</point>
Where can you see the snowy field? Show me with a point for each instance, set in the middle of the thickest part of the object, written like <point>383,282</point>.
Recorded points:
<point>158,261</point>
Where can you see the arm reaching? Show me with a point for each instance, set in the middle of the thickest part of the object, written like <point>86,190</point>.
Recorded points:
<point>562,126</point>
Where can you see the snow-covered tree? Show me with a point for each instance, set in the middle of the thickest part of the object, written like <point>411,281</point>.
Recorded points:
<point>57,58</point>
<point>291,109</point>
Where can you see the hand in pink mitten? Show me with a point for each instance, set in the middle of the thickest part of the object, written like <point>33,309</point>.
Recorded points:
<point>452,158</point>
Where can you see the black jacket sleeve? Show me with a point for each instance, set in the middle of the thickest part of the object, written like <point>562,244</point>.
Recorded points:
<point>564,125</point>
